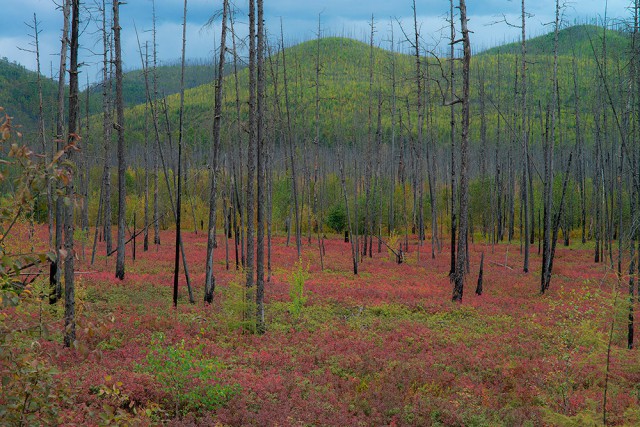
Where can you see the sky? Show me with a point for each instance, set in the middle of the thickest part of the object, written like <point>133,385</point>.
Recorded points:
<point>488,20</point>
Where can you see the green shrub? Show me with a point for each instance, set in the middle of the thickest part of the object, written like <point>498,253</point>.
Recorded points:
<point>187,376</point>
<point>296,288</point>
<point>337,218</point>
<point>238,305</point>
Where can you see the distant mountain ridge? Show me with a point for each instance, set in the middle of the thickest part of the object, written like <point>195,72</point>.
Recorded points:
<point>19,90</point>
<point>576,39</point>
<point>134,88</point>
<point>344,78</point>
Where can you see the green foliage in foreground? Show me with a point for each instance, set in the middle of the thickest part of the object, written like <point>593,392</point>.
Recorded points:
<point>296,288</point>
<point>187,375</point>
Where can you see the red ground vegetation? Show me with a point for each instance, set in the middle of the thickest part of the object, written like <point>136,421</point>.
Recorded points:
<point>386,347</point>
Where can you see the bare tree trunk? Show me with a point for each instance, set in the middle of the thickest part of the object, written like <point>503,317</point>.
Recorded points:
<point>154,105</point>
<point>85,176</point>
<point>294,185</point>
<point>42,133</point>
<point>431,171</point>
<point>420,111</point>
<point>316,142</point>
<point>107,124</point>
<point>145,245</point>
<point>452,75</point>
<point>354,247</point>
<point>166,176</point>
<point>72,139</point>
<point>261,154</point>
<point>392,174</point>
<point>461,259</point>
<point>209,285</point>
<point>119,125</point>
<point>251,166</point>
<point>525,142</point>
<point>480,276</point>
<point>55,285</point>
<point>238,178</point>
<point>176,264</point>
<point>548,165</point>
<point>580,153</point>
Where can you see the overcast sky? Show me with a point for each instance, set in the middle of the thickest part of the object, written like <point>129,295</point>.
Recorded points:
<point>300,19</point>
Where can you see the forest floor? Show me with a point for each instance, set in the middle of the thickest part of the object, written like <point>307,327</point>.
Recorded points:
<point>385,347</point>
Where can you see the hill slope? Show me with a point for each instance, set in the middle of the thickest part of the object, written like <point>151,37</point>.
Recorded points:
<point>134,90</point>
<point>19,90</point>
<point>344,90</point>
<point>576,39</point>
<point>348,108</point>
<point>19,94</point>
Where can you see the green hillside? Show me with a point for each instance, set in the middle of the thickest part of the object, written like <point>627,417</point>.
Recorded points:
<point>345,96</point>
<point>19,90</point>
<point>576,39</point>
<point>19,95</point>
<point>344,87</point>
<point>134,91</point>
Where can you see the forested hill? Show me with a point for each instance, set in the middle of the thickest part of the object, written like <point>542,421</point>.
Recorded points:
<point>344,89</point>
<point>168,76</point>
<point>577,39</point>
<point>19,90</point>
<point>348,103</point>
<point>19,94</point>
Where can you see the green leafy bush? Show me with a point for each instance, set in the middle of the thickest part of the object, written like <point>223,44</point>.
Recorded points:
<point>187,376</point>
<point>296,288</point>
<point>238,305</point>
<point>30,392</point>
<point>337,218</point>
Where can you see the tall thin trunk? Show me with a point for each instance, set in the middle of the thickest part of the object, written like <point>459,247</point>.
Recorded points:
<point>72,139</point>
<point>42,133</point>
<point>580,154</point>
<point>392,186</point>
<point>545,276</point>
<point>156,210</point>
<point>452,75</point>
<point>86,169</point>
<point>354,247</point>
<point>55,285</point>
<point>122,165</point>
<point>237,164</point>
<point>107,123</point>
<point>420,111</point>
<point>431,171</point>
<point>461,259</point>
<point>633,97</point>
<point>209,286</point>
<point>251,166</point>
<point>176,264</point>
<point>154,115</point>
<point>261,157</point>
<point>316,210</point>
<point>294,184</point>
<point>525,141</point>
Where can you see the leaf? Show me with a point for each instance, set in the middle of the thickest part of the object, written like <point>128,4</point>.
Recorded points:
<point>56,157</point>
